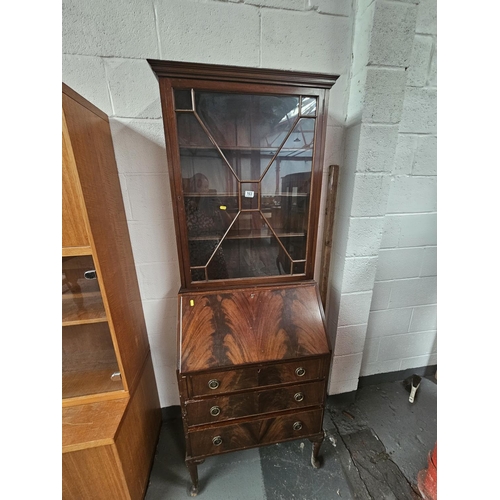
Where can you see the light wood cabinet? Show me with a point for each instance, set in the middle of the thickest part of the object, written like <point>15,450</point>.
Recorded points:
<point>110,408</point>
<point>245,156</point>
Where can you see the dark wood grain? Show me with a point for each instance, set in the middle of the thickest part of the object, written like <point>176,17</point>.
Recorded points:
<point>255,432</point>
<point>255,325</point>
<point>260,375</point>
<point>326,254</point>
<point>224,73</point>
<point>254,403</point>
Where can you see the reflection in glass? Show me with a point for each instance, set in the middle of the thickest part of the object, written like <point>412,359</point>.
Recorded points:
<point>247,121</point>
<point>245,159</point>
<point>308,106</point>
<point>88,360</point>
<point>250,249</point>
<point>300,142</point>
<point>286,190</point>
<point>190,133</point>
<point>81,297</point>
<point>88,356</point>
<point>208,217</point>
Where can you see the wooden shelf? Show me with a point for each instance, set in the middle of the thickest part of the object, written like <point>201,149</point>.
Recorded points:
<point>211,195</point>
<point>76,251</point>
<point>91,309</point>
<point>254,234</point>
<point>264,151</point>
<point>235,195</point>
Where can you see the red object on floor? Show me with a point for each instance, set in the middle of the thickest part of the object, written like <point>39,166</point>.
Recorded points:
<point>427,478</point>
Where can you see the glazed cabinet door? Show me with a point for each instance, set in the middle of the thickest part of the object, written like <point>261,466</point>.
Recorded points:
<point>89,361</point>
<point>245,163</point>
<point>246,167</point>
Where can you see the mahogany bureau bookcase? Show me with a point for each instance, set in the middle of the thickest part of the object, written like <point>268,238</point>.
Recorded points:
<point>245,156</point>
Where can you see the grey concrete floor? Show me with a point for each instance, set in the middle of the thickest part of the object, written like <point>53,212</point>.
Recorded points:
<point>374,448</point>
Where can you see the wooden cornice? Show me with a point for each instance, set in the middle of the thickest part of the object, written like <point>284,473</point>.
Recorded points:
<point>198,71</point>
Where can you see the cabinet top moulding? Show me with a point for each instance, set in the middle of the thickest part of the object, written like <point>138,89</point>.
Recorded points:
<point>199,71</point>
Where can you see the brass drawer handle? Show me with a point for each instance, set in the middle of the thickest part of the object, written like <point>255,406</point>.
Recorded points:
<point>297,426</point>
<point>300,372</point>
<point>213,384</point>
<point>217,440</point>
<point>215,411</point>
<point>298,397</point>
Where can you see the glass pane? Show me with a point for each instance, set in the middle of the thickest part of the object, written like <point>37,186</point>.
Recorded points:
<point>299,267</point>
<point>308,106</point>
<point>248,128</point>
<point>88,356</point>
<point>210,193</point>
<point>198,274</point>
<point>296,249</point>
<point>81,296</point>
<point>207,220</point>
<point>249,165</point>
<point>295,246</point>
<point>190,133</point>
<point>247,120</point>
<point>88,360</point>
<point>204,171</point>
<point>246,159</point>
<point>183,99</point>
<point>249,250</point>
<point>286,185</point>
<point>300,142</point>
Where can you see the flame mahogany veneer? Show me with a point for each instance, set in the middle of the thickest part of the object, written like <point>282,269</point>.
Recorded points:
<point>251,325</point>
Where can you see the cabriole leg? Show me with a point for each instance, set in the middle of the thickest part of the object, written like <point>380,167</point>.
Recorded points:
<point>315,460</point>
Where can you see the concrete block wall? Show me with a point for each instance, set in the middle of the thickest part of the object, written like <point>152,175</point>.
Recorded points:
<point>402,323</point>
<point>105,47</point>
<point>381,309</point>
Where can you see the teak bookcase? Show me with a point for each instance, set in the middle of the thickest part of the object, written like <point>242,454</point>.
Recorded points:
<point>110,408</point>
<point>245,155</point>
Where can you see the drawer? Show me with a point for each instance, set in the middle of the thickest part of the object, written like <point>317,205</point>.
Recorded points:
<point>217,382</point>
<point>254,402</point>
<point>256,432</point>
